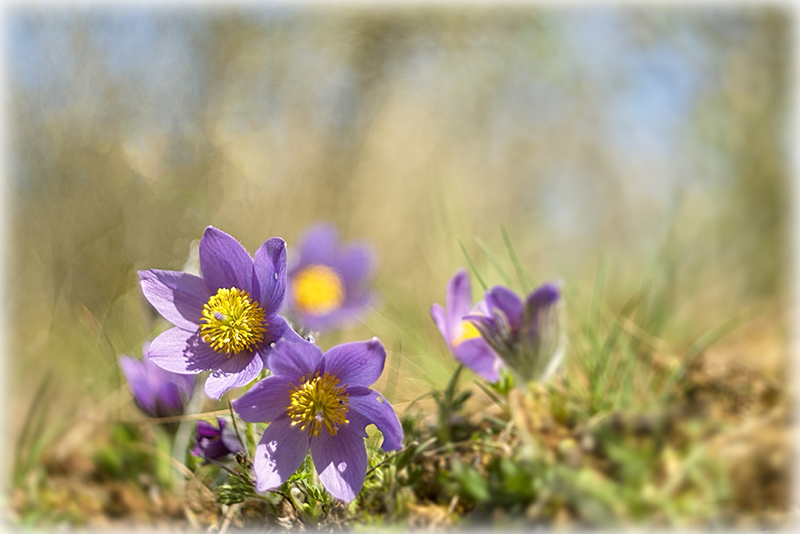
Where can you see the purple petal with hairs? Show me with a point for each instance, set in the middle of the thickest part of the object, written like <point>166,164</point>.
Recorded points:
<point>225,263</point>
<point>368,406</point>
<point>265,401</point>
<point>279,453</point>
<point>458,301</point>
<point>341,462</point>
<point>238,370</point>
<point>180,351</point>
<point>178,297</point>
<point>358,363</point>
<point>270,267</point>
<point>294,360</point>
<point>478,356</point>
<point>502,299</point>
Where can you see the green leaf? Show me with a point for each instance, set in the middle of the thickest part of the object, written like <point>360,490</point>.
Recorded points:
<point>471,482</point>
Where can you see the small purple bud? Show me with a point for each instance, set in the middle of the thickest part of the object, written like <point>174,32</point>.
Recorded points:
<point>213,443</point>
<point>157,392</point>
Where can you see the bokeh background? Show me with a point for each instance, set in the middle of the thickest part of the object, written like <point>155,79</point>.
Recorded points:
<point>653,141</point>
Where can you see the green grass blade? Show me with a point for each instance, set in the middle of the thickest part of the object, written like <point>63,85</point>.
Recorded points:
<point>489,254</point>
<point>526,287</point>
<point>599,290</point>
<point>492,395</point>
<point>32,420</point>
<point>472,266</point>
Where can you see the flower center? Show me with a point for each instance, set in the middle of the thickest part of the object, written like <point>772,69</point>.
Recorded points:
<point>317,290</point>
<point>464,331</point>
<point>233,322</point>
<point>317,401</point>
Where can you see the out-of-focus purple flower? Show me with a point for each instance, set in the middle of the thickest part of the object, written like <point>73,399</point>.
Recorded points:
<point>461,336</point>
<point>215,442</point>
<point>528,336</point>
<point>320,402</point>
<point>157,392</point>
<point>329,283</point>
<point>226,320</point>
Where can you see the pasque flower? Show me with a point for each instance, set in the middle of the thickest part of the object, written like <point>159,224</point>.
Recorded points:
<point>225,320</point>
<point>329,283</point>
<point>215,442</point>
<point>322,403</point>
<point>462,338</point>
<point>528,335</point>
<point>157,392</point>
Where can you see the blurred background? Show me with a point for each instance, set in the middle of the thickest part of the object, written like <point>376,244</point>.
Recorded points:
<point>651,141</point>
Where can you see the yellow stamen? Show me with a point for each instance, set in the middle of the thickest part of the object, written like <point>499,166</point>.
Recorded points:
<point>233,322</point>
<point>317,290</point>
<point>316,401</point>
<point>464,331</point>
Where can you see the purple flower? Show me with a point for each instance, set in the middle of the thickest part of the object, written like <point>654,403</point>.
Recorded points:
<point>461,336</point>
<point>157,392</point>
<point>226,320</point>
<point>329,283</point>
<point>528,336</point>
<point>320,402</point>
<point>214,442</point>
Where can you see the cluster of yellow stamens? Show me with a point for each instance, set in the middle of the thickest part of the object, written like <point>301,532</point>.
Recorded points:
<point>233,322</point>
<point>317,401</point>
<point>464,331</point>
<point>317,290</point>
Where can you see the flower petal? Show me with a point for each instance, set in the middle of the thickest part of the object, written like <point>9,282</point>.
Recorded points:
<point>543,297</point>
<point>293,360</point>
<point>179,351</point>
<point>542,333</point>
<point>355,264</point>
<point>479,357</point>
<point>367,406</point>
<point>439,318</point>
<point>184,382</point>
<point>206,429</point>
<point>481,321</point>
<point>139,382</point>
<point>270,266</point>
<point>236,371</point>
<point>458,301</point>
<point>279,453</point>
<point>229,438</point>
<point>503,299</point>
<point>170,401</point>
<point>265,401</point>
<point>224,262</point>
<point>278,329</point>
<point>341,461</point>
<point>178,297</point>
<point>318,245</point>
<point>359,363</point>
